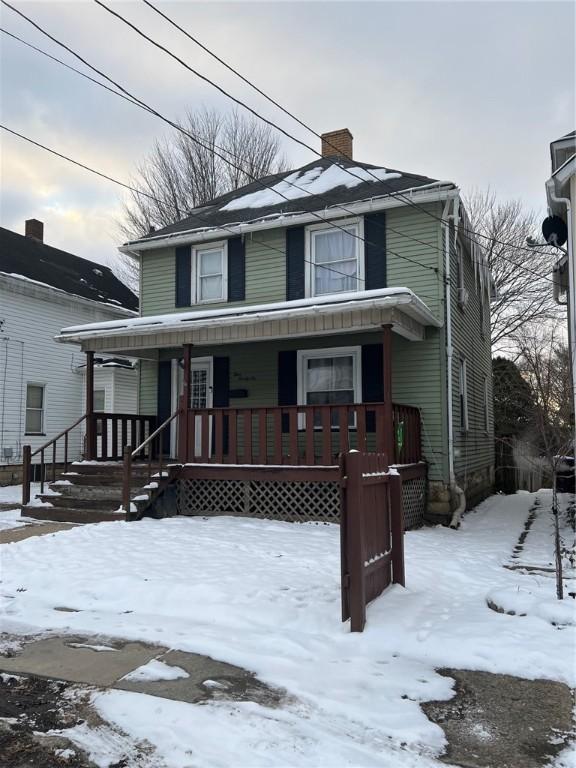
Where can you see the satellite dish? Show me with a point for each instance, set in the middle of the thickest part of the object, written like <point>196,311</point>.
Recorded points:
<point>555,231</point>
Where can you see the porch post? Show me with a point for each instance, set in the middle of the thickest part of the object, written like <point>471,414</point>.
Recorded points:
<point>389,440</point>
<point>90,425</point>
<point>185,407</point>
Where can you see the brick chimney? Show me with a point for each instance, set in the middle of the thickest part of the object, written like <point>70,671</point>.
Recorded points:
<point>35,229</point>
<point>337,143</point>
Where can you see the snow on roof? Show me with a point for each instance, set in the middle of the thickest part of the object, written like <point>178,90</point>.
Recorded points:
<point>315,181</point>
<point>381,297</point>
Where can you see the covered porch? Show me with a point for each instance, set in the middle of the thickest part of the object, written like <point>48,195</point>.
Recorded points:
<point>294,383</point>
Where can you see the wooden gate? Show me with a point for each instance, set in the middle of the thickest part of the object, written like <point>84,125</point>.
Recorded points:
<point>371,532</point>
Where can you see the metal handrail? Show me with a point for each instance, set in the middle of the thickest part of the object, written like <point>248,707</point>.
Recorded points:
<point>156,432</point>
<point>130,454</point>
<point>58,436</point>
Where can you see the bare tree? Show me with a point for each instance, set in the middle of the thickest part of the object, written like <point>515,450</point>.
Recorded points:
<point>543,359</point>
<point>180,174</point>
<point>521,296</point>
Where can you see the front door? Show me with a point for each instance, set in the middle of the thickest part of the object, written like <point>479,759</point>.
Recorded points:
<point>200,396</point>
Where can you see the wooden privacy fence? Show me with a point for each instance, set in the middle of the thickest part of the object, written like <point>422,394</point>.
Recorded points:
<point>371,533</point>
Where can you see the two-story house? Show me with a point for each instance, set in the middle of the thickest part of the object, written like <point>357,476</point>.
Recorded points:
<point>42,384</point>
<point>337,306</point>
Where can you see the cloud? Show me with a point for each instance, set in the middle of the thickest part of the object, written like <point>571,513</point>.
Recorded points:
<point>457,90</point>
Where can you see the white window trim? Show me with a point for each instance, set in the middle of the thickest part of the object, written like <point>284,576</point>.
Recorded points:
<point>42,410</point>
<point>308,255</point>
<point>302,357</point>
<point>195,272</point>
<point>463,396</point>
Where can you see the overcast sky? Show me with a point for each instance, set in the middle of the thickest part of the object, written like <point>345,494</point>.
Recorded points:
<point>465,91</point>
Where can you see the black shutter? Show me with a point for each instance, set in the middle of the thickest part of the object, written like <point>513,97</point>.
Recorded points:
<point>164,401</point>
<point>375,250</point>
<point>236,269</point>
<point>287,382</point>
<point>221,394</point>
<point>372,379</point>
<point>183,276</point>
<point>294,263</point>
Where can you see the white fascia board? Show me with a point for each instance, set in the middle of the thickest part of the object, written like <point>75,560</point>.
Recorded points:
<point>440,190</point>
<point>556,185</point>
<point>386,298</point>
<point>34,288</point>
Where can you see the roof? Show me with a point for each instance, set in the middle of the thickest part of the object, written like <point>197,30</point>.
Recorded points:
<point>194,320</point>
<point>325,182</point>
<point>32,260</point>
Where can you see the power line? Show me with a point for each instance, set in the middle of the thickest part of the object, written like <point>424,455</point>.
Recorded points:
<point>138,102</point>
<point>198,141</point>
<point>315,133</point>
<point>141,192</point>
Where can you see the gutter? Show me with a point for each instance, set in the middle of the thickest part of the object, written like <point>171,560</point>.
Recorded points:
<point>454,201</point>
<point>198,235</point>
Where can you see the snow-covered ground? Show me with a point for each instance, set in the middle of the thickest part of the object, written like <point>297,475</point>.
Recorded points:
<point>266,596</point>
<point>12,494</point>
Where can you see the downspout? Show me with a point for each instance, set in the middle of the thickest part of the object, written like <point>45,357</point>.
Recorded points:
<point>454,488</point>
<point>571,290</point>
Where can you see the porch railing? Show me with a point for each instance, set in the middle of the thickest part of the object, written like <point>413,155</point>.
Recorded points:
<point>107,434</point>
<point>299,434</point>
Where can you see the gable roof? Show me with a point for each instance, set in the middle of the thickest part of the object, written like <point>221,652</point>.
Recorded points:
<point>30,259</point>
<point>323,183</point>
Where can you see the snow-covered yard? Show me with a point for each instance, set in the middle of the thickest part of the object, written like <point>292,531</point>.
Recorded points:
<point>266,596</point>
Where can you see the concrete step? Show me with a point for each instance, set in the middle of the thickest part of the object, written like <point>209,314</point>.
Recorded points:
<point>70,515</point>
<point>107,504</point>
<point>138,478</point>
<point>104,468</point>
<point>87,491</point>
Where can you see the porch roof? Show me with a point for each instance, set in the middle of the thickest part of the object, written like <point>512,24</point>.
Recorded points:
<point>336,313</point>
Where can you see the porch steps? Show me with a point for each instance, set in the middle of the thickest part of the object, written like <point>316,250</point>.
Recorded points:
<point>91,493</point>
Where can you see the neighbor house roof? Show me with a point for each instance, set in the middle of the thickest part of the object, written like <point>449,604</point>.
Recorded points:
<point>30,259</point>
<point>323,183</point>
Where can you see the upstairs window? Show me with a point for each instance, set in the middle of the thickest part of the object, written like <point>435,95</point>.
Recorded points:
<point>210,271</point>
<point>334,264</point>
<point>463,396</point>
<point>35,409</point>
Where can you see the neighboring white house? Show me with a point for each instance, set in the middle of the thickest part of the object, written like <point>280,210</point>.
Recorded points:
<point>560,229</point>
<point>43,289</point>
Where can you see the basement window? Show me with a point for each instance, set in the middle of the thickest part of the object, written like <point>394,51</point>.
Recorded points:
<point>35,409</point>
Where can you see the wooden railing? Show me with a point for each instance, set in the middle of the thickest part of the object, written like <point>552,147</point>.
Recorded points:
<point>307,435</point>
<point>152,448</point>
<point>28,455</point>
<point>107,434</point>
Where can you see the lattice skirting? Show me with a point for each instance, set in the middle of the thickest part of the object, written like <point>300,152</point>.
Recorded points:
<point>414,502</point>
<point>289,501</point>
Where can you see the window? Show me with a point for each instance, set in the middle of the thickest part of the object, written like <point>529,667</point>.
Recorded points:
<point>210,270</point>
<point>35,409</point>
<point>463,397</point>
<point>333,262</point>
<point>486,404</point>
<point>329,377</point>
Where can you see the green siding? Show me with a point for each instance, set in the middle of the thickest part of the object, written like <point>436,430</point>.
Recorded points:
<point>415,260</point>
<point>148,388</point>
<point>474,449</point>
<point>265,275</point>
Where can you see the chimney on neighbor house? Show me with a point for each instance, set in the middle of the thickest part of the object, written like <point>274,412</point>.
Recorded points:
<point>337,143</point>
<point>35,229</point>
